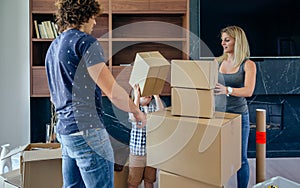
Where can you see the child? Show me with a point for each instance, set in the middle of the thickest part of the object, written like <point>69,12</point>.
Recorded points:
<point>138,170</point>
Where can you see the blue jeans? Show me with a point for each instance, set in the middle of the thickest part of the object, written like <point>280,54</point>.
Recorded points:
<point>87,160</point>
<point>243,172</point>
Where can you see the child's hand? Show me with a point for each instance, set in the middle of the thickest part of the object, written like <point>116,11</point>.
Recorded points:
<point>140,119</point>
<point>156,96</point>
<point>136,89</point>
<point>159,104</point>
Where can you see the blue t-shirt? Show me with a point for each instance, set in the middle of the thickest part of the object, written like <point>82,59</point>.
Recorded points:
<point>76,97</point>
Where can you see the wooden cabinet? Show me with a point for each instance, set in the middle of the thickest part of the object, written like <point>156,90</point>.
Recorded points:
<point>150,6</point>
<point>169,5</point>
<point>119,6</point>
<point>125,28</point>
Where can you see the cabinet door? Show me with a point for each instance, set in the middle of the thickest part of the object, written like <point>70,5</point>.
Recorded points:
<point>123,6</point>
<point>43,5</point>
<point>168,5</point>
<point>39,82</point>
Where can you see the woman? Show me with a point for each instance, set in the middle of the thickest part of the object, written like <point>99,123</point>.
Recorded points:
<point>77,76</point>
<point>237,77</point>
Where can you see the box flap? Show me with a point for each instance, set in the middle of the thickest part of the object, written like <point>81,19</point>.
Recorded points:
<point>10,174</point>
<point>31,147</point>
<point>16,151</point>
<point>153,58</point>
<point>16,180</point>
<point>42,154</point>
<point>13,177</point>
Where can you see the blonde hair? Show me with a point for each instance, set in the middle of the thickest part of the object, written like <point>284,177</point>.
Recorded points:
<point>241,46</point>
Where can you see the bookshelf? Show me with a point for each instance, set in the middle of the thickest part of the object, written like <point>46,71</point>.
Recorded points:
<point>125,28</point>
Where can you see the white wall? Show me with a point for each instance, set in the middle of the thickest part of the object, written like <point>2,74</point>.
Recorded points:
<point>14,72</point>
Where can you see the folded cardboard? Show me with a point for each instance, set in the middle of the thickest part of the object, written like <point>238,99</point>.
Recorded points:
<point>193,102</point>
<point>206,150</point>
<point>167,180</point>
<point>40,165</point>
<point>10,179</point>
<point>150,70</point>
<point>198,74</point>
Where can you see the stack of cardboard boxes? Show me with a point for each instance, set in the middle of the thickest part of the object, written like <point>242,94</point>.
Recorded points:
<point>192,85</point>
<point>191,143</point>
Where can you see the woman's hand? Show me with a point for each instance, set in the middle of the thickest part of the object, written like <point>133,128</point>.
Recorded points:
<point>220,89</point>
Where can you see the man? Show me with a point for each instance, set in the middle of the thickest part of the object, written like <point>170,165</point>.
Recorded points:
<point>77,76</point>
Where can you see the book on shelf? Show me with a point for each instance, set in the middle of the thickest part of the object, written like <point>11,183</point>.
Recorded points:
<point>36,29</point>
<point>54,29</point>
<point>42,31</point>
<point>48,28</point>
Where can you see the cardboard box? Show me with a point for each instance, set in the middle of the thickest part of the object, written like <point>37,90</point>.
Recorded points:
<point>197,74</point>
<point>206,150</point>
<point>40,165</point>
<point>120,179</point>
<point>167,180</point>
<point>150,70</point>
<point>193,102</point>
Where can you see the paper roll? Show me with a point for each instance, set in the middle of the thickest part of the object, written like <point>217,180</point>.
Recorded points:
<point>260,145</point>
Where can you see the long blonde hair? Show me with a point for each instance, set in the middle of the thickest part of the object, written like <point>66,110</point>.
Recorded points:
<point>241,46</point>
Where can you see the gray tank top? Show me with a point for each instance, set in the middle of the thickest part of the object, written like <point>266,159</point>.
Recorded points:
<point>235,80</point>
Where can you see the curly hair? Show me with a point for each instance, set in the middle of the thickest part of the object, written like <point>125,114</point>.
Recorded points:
<point>74,13</point>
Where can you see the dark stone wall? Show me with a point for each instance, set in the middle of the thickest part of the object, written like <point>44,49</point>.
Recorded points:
<point>278,84</point>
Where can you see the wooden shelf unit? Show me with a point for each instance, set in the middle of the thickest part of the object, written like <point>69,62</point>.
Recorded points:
<point>125,28</point>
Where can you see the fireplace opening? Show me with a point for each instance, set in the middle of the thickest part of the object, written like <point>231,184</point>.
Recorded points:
<point>274,114</point>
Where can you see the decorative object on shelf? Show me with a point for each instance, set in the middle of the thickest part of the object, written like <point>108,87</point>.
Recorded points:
<point>51,128</point>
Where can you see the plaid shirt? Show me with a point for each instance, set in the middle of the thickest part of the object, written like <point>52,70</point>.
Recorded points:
<point>138,135</point>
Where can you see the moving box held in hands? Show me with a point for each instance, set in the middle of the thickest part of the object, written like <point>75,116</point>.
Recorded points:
<point>150,70</point>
